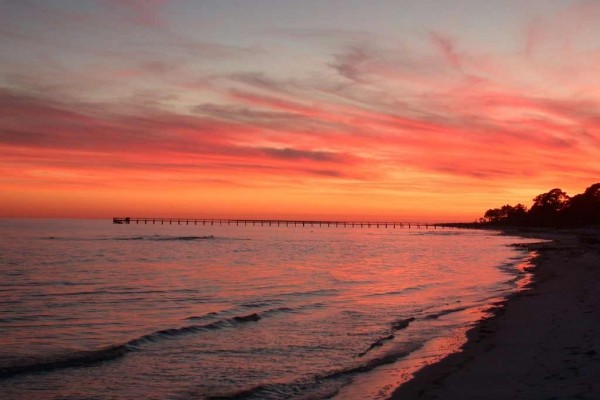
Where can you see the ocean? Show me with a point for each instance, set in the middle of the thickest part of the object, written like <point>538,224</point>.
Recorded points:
<point>92,310</point>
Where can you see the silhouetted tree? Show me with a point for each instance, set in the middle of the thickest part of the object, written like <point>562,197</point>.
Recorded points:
<point>547,207</point>
<point>493,215</point>
<point>554,208</point>
<point>517,215</point>
<point>506,215</point>
<point>584,208</point>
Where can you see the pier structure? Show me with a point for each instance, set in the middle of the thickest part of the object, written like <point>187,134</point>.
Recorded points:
<point>273,222</point>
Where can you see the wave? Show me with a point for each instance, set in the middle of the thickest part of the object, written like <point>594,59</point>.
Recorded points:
<point>161,238</point>
<point>445,312</point>
<point>122,291</point>
<point>78,359</point>
<point>324,385</point>
<point>298,309</point>
<point>263,303</point>
<point>158,238</point>
<point>391,293</point>
<point>378,343</point>
<point>210,315</point>
<point>402,323</point>
<point>91,357</point>
<point>310,293</point>
<point>87,358</point>
<point>431,231</point>
<point>404,291</point>
<point>440,232</point>
<point>268,312</point>
<point>395,326</point>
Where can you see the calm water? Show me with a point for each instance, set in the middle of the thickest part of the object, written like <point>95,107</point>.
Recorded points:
<point>91,310</point>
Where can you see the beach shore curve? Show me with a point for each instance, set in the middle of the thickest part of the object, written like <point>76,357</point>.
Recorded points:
<point>541,343</point>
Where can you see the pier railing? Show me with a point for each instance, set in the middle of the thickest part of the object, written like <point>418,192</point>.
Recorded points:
<point>273,222</point>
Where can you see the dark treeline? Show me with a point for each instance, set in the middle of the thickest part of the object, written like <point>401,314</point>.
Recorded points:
<point>555,208</point>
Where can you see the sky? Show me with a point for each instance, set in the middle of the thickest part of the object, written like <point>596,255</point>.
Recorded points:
<point>405,110</point>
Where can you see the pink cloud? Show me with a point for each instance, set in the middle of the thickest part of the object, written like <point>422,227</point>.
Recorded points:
<point>568,30</point>
<point>69,138</point>
<point>374,118</point>
<point>448,49</point>
<point>144,12</point>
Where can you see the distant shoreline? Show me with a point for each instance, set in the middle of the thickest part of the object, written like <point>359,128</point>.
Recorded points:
<point>540,343</point>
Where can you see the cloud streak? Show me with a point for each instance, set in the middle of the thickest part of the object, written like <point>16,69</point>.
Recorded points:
<point>376,118</point>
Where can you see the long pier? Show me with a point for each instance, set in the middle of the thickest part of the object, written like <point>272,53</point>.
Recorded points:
<point>272,222</point>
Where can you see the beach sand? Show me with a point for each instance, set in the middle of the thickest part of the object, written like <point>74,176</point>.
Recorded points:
<point>542,343</point>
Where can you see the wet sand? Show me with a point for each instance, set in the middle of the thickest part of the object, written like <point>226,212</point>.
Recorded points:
<point>542,343</point>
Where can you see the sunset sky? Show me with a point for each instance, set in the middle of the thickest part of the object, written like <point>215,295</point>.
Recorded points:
<point>401,110</point>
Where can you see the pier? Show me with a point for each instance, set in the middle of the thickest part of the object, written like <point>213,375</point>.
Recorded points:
<point>272,222</point>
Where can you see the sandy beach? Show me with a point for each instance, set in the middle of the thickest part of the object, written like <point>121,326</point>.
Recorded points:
<point>542,343</point>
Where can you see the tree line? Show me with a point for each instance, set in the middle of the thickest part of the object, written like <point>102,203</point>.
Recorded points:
<point>553,209</point>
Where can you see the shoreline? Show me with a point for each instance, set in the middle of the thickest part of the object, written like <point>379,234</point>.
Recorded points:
<point>540,343</point>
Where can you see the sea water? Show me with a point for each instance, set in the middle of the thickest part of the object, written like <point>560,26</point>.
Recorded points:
<point>92,310</point>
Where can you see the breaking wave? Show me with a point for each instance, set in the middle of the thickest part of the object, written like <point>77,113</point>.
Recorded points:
<point>162,238</point>
<point>323,385</point>
<point>87,358</point>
